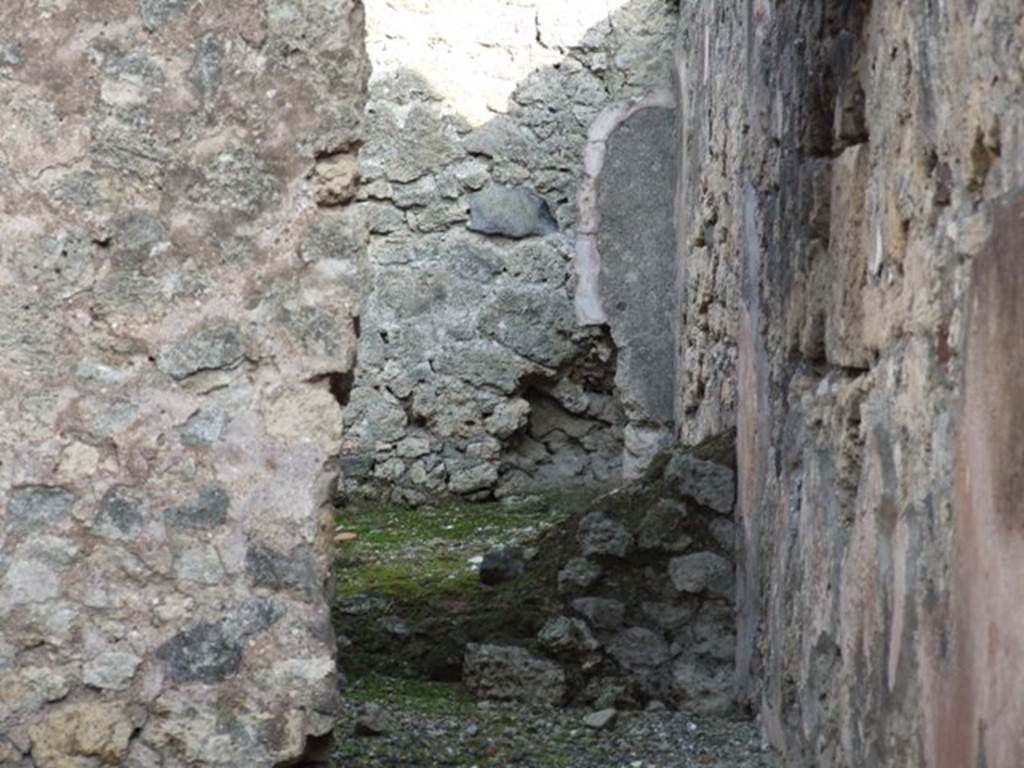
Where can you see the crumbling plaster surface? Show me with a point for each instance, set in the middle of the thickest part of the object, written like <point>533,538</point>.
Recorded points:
<point>849,190</point>
<point>474,376</point>
<point>625,262</point>
<point>177,291</point>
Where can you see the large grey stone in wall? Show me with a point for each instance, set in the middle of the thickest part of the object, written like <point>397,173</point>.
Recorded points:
<point>600,535</point>
<point>36,506</point>
<point>532,323</point>
<point>702,571</point>
<point>636,242</point>
<point>211,347</point>
<point>511,212</point>
<point>707,483</point>
<point>156,13</point>
<point>638,649</point>
<point>203,654</point>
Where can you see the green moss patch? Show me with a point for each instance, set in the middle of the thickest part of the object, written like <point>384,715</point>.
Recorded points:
<point>424,696</point>
<point>408,594</point>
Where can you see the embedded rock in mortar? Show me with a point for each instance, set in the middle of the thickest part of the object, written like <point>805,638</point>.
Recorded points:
<point>708,483</point>
<point>603,613</point>
<point>638,648</point>
<point>516,212</point>
<point>702,571</point>
<point>600,535</point>
<point>97,732</point>
<point>579,573</point>
<point>562,634</point>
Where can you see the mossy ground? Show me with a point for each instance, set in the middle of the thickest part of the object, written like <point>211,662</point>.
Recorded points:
<point>414,566</point>
<point>423,696</point>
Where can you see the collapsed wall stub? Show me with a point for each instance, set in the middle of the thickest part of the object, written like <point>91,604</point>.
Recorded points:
<point>857,168</point>
<point>474,376</point>
<point>179,284</point>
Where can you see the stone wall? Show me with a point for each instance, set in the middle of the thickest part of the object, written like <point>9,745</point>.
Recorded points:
<point>178,288</point>
<point>475,376</point>
<point>849,191</point>
<point>637,591</point>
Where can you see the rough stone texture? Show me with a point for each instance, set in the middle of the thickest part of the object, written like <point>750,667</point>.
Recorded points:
<point>600,535</point>
<point>515,212</point>
<point>706,482</point>
<point>600,720</point>
<point>508,673</point>
<point>702,571</point>
<point>849,209</point>
<point>578,573</point>
<point>562,634</point>
<point>170,323</point>
<point>476,130</point>
<point>635,624</point>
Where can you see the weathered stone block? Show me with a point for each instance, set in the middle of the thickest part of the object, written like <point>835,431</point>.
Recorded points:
<point>204,653</point>
<point>636,248</point>
<point>706,482</point>
<point>204,427</point>
<point>562,634</point>
<point>578,574</point>
<point>515,212</point>
<point>280,571</point>
<point>638,648</point>
<point>36,506</point>
<point>211,347</point>
<point>600,535</point>
<point>602,612</point>
<point>209,509</point>
<point>98,732</point>
<point>664,528</point>
<point>848,249</point>
<point>506,673</point>
<point>112,670</point>
<point>120,513</point>
<point>702,571</point>
<point>157,13</point>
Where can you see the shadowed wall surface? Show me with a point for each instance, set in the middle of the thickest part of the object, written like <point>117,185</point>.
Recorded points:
<point>849,190</point>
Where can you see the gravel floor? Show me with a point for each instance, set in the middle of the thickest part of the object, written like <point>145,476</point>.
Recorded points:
<point>469,734</point>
